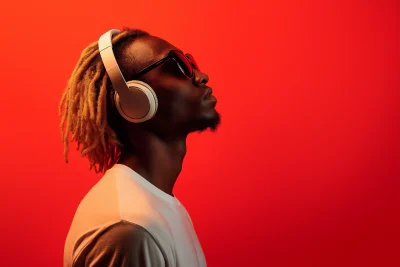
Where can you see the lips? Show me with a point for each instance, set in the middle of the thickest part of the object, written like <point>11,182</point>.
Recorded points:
<point>207,93</point>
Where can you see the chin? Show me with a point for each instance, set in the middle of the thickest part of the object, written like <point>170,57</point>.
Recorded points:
<point>211,121</point>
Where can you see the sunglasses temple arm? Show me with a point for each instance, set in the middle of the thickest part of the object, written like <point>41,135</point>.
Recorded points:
<point>152,66</point>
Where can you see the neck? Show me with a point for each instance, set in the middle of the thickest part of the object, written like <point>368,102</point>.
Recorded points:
<point>158,160</point>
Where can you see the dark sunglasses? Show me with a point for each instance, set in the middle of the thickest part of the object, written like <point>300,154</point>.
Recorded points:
<point>186,63</point>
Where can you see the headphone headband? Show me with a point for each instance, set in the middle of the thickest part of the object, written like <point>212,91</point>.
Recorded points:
<point>110,63</point>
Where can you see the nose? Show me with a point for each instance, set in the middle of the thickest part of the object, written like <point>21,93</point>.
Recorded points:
<point>200,77</point>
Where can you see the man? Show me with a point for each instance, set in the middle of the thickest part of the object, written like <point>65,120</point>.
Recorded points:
<point>130,109</point>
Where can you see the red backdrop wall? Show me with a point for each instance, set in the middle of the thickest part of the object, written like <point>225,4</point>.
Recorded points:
<point>305,168</point>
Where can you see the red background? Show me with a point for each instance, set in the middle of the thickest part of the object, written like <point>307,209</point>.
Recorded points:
<point>305,168</point>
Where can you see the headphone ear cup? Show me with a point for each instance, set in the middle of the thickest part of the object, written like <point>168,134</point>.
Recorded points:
<point>141,103</point>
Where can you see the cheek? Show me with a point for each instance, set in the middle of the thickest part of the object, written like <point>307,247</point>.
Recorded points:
<point>172,106</point>
<point>181,108</point>
<point>178,99</point>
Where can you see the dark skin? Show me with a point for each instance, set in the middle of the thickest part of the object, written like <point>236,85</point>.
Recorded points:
<point>160,143</point>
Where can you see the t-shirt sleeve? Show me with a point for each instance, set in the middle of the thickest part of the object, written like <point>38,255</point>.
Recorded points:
<point>126,244</point>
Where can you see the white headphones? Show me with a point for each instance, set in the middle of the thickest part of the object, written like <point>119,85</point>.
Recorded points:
<point>135,100</point>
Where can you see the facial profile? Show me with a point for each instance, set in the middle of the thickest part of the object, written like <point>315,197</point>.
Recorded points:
<point>186,104</point>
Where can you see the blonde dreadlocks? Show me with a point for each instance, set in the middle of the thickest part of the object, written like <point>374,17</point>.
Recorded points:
<point>83,107</point>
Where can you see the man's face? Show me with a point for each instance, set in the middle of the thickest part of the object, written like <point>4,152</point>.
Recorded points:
<point>183,103</point>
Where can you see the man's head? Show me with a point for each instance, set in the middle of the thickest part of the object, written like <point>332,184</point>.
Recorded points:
<point>90,114</point>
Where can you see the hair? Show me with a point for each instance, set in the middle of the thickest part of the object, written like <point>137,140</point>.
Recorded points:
<point>85,106</point>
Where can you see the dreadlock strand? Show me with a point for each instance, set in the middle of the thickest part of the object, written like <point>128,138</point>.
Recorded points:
<point>101,106</point>
<point>91,147</point>
<point>88,89</point>
<point>63,97</point>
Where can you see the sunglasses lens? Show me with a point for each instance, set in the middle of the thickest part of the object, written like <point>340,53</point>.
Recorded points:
<point>194,63</point>
<point>184,64</point>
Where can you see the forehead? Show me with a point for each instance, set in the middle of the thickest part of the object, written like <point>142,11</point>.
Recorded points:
<point>148,49</point>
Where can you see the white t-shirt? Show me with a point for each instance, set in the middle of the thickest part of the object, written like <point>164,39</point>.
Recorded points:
<point>126,221</point>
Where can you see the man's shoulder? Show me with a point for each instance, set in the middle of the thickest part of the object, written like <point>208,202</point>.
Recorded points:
<point>128,235</point>
<point>125,244</point>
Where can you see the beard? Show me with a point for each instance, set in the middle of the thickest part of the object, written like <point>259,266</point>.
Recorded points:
<point>204,123</point>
